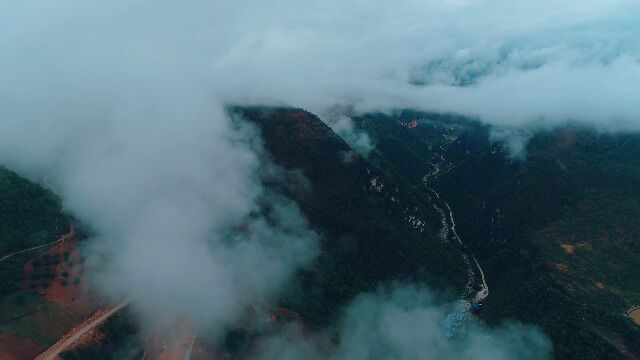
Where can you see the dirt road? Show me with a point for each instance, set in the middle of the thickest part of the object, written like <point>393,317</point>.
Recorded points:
<point>95,320</point>
<point>64,237</point>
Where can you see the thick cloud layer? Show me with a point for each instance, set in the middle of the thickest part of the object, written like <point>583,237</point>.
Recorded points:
<point>509,63</point>
<point>111,106</point>
<point>524,61</point>
<point>408,324</point>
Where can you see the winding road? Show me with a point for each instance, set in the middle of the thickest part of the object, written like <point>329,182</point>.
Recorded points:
<point>62,238</point>
<point>449,229</point>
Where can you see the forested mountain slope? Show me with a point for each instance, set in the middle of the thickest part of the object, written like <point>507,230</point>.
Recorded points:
<point>556,232</point>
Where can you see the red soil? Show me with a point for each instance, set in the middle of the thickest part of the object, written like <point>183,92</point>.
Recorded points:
<point>14,347</point>
<point>73,295</point>
<point>306,128</point>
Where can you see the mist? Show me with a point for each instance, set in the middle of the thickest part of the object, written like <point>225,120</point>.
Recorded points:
<point>114,110</point>
<point>517,66</point>
<point>119,107</point>
<point>505,63</point>
<point>407,323</point>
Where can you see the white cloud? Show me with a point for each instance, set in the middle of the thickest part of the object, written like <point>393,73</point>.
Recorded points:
<point>120,105</point>
<point>357,140</point>
<point>527,61</point>
<point>408,324</point>
<point>112,103</point>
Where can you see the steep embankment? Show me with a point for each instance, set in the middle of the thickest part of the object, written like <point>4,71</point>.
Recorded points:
<point>374,227</point>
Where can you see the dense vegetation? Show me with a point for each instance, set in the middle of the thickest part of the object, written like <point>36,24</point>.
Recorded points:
<point>366,240</point>
<point>29,216</point>
<point>575,189</point>
<point>556,233</point>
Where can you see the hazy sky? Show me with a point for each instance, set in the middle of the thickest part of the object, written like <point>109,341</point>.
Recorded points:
<point>119,107</point>
<point>526,60</point>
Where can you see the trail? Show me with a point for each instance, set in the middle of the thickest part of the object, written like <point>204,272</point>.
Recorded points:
<point>187,354</point>
<point>449,229</point>
<point>64,237</point>
<point>174,342</point>
<point>76,333</point>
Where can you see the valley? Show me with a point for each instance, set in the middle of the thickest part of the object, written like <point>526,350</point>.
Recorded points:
<point>436,204</point>
<point>520,215</point>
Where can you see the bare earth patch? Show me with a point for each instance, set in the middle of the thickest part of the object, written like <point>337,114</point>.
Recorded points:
<point>14,347</point>
<point>569,249</point>
<point>71,292</point>
<point>634,314</point>
<point>564,268</point>
<point>67,285</point>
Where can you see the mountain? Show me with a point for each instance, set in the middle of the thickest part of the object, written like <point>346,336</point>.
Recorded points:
<point>549,238</point>
<point>555,232</point>
<point>30,218</point>
<point>373,226</point>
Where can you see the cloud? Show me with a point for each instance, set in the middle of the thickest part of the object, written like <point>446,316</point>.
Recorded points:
<point>514,140</point>
<point>119,106</point>
<point>519,62</point>
<point>408,323</point>
<point>357,140</point>
<point>527,64</point>
<point>111,105</point>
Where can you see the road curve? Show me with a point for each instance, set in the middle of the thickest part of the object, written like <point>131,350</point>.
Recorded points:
<point>98,318</point>
<point>61,239</point>
<point>483,293</point>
